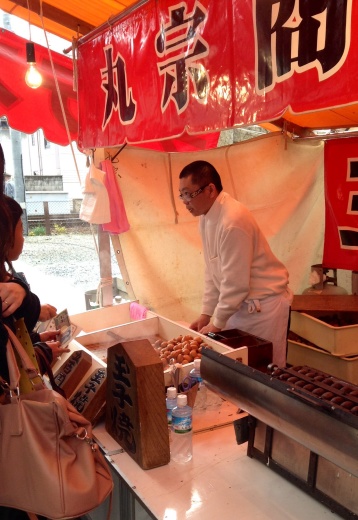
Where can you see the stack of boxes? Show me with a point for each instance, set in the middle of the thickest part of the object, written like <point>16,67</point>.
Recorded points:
<point>324,344</point>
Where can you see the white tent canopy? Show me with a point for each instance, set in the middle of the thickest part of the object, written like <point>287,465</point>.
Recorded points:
<point>280,181</point>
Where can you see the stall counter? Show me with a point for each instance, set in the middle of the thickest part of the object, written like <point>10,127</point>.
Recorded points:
<point>220,483</point>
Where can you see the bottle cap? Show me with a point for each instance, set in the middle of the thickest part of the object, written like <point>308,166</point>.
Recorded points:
<point>182,400</point>
<point>171,392</point>
<point>197,363</point>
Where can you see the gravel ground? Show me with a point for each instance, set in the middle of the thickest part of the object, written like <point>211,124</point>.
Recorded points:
<point>71,258</point>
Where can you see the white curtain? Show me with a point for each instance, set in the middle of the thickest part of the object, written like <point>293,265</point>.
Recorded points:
<point>280,181</point>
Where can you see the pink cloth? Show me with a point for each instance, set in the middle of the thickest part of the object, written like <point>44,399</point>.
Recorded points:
<point>95,203</point>
<point>119,222</point>
<point>137,311</point>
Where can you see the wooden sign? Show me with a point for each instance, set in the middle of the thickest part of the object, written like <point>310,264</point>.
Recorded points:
<point>136,411</point>
<point>90,398</point>
<point>70,373</point>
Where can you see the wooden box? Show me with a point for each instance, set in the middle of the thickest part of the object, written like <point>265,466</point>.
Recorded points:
<point>136,411</point>
<point>259,350</point>
<point>343,367</point>
<point>338,340</point>
<point>320,478</point>
<point>90,398</point>
<point>69,375</point>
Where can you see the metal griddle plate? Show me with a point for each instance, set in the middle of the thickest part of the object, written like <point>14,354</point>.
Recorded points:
<point>323,429</point>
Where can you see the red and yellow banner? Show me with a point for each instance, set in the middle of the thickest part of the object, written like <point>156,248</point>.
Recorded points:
<point>341,194</point>
<point>200,66</point>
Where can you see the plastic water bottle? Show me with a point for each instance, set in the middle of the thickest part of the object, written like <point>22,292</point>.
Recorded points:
<point>171,402</point>
<point>195,377</point>
<point>181,448</point>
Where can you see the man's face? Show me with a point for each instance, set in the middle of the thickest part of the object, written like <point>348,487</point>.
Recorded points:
<point>197,199</point>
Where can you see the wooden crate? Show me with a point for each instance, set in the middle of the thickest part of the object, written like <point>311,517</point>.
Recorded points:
<point>343,367</point>
<point>338,340</point>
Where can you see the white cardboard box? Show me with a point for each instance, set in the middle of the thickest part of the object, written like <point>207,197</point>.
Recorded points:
<point>104,317</point>
<point>152,328</point>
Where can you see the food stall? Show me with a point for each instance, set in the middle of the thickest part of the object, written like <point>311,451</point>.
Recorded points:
<point>291,65</point>
<point>221,477</point>
<point>281,177</point>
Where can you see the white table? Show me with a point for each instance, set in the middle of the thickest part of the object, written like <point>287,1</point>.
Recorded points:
<point>220,483</point>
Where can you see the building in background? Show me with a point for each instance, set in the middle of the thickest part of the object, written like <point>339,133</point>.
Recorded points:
<point>47,177</point>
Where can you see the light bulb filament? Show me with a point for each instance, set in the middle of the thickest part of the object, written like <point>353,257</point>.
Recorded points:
<point>33,78</point>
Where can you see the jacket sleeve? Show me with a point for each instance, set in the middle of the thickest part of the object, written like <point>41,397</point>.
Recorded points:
<point>44,356</point>
<point>30,308</point>
<point>4,372</point>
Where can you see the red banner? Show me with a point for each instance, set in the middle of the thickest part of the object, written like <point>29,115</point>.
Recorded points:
<point>341,192</point>
<point>201,66</point>
<point>27,109</point>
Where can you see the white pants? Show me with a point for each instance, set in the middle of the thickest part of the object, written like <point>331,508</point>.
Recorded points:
<point>267,319</point>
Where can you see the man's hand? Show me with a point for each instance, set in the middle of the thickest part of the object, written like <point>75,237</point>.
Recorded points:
<point>209,328</point>
<point>201,322</point>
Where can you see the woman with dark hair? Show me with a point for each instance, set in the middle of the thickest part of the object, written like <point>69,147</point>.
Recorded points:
<point>19,302</point>
<point>46,311</point>
<point>30,309</point>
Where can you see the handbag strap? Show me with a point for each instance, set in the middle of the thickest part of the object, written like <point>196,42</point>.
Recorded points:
<point>27,364</point>
<point>49,372</point>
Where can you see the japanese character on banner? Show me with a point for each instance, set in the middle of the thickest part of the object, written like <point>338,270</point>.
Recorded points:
<point>298,35</point>
<point>341,196</point>
<point>119,97</point>
<point>180,46</point>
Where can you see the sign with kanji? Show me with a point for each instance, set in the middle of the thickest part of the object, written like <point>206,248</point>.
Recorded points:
<point>198,66</point>
<point>136,415</point>
<point>341,195</point>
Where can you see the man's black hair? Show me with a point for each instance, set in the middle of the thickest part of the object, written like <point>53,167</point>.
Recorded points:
<point>203,173</point>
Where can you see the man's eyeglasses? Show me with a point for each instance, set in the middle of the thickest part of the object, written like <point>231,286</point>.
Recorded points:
<point>188,196</point>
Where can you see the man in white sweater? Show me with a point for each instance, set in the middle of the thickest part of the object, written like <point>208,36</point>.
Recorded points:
<point>246,286</point>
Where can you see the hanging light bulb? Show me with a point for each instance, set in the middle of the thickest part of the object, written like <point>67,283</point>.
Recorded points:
<point>33,78</point>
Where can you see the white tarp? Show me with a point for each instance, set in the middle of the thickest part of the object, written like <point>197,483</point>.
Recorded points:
<point>281,181</point>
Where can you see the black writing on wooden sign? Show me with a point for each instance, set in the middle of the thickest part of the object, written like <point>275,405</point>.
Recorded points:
<point>135,406</point>
<point>89,399</point>
<point>71,372</point>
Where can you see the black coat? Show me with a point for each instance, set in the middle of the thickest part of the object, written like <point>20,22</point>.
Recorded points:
<point>30,312</point>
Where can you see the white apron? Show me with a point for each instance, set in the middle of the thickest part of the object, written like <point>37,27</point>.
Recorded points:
<point>267,319</point>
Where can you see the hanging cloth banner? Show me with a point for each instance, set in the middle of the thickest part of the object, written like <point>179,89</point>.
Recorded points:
<point>170,67</point>
<point>341,193</point>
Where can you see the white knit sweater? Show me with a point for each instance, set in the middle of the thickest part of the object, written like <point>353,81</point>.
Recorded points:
<point>239,262</point>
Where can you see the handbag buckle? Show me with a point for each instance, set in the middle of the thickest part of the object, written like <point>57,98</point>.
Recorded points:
<point>82,435</point>
<point>7,394</point>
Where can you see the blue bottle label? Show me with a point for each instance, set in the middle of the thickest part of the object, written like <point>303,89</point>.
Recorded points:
<point>181,424</point>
